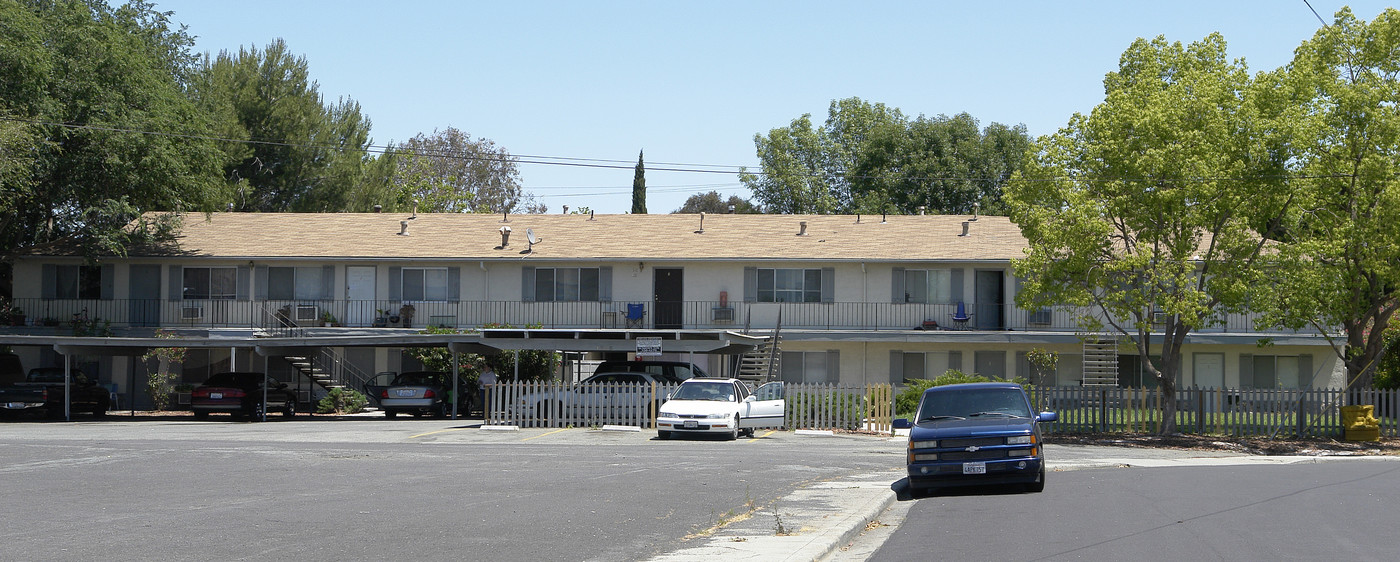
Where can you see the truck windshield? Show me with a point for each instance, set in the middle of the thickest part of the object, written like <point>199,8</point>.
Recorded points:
<point>981,402</point>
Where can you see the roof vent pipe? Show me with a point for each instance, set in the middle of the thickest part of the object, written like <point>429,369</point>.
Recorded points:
<point>922,209</point>
<point>702,223</point>
<point>566,210</point>
<point>882,218</point>
<point>505,237</point>
<point>378,208</point>
<point>415,210</point>
<point>505,216</point>
<point>403,228</point>
<point>802,228</point>
<point>975,207</point>
<point>590,214</point>
<point>965,225</point>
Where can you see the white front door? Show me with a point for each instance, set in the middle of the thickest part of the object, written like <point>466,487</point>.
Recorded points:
<point>359,295</point>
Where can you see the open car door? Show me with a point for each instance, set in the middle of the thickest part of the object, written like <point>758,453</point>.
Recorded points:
<point>766,407</point>
<point>377,384</point>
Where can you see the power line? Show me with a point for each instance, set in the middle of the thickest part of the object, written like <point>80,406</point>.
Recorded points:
<point>603,163</point>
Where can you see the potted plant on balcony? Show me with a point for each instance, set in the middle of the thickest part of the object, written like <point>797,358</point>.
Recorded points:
<point>328,319</point>
<point>406,315</point>
<point>11,314</point>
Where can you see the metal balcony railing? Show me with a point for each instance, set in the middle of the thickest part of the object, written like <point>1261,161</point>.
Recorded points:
<point>292,316</point>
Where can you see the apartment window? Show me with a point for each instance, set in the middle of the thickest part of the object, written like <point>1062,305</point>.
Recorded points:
<point>789,285</point>
<point>1275,371</point>
<point>210,283</point>
<point>425,283</point>
<point>913,365</point>
<point>295,283</point>
<point>566,284</point>
<point>77,282</point>
<point>811,366</point>
<point>930,286</point>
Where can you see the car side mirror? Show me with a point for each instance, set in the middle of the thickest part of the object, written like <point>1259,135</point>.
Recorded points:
<point>1047,417</point>
<point>750,398</point>
<point>902,423</point>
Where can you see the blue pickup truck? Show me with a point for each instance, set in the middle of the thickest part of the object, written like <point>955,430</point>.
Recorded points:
<point>976,434</point>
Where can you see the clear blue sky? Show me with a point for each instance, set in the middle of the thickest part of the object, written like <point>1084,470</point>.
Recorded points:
<point>693,82</point>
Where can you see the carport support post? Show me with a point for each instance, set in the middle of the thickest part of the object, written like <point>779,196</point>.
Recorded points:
<point>67,390</point>
<point>264,399</point>
<point>455,390</point>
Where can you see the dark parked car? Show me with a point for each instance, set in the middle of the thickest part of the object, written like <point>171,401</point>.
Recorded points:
<point>88,396</point>
<point>669,371</point>
<point>422,393</point>
<point>241,394</point>
<point>976,434</point>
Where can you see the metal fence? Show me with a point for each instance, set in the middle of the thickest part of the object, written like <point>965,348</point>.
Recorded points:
<point>1213,411</point>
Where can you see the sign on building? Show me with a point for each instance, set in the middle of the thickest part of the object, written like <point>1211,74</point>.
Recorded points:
<point>648,347</point>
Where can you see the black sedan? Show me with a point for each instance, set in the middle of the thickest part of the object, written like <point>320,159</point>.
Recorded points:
<point>240,395</point>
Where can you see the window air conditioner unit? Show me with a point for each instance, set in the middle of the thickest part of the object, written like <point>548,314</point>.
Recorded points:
<point>191,312</point>
<point>307,313</point>
<point>723,314</point>
<point>1040,317</point>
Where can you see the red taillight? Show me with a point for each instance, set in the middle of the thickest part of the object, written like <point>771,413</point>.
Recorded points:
<point>428,394</point>
<point>199,393</point>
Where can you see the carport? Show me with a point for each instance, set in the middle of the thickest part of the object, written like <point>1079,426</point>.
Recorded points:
<point>492,340</point>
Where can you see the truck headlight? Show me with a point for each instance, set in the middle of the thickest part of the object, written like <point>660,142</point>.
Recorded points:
<point>923,444</point>
<point>1021,440</point>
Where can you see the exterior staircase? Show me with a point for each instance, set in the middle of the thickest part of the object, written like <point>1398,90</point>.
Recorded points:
<point>1100,359</point>
<point>763,363</point>
<point>326,368</point>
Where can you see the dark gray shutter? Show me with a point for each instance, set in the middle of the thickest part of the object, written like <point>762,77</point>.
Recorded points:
<point>896,367</point>
<point>109,274</point>
<point>1305,373</point>
<point>176,289</point>
<point>605,284</point>
<point>454,284</point>
<point>828,284</point>
<point>242,276</point>
<point>527,284</point>
<point>260,282</point>
<point>956,290</point>
<point>750,284</point>
<point>48,277</point>
<point>954,360</point>
<point>833,366</point>
<point>1246,370</point>
<point>897,289</point>
<point>327,282</point>
<point>395,283</point>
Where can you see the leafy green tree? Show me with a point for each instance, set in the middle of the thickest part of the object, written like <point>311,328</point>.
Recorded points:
<point>1148,208</point>
<point>639,188</point>
<point>806,170</point>
<point>714,203</point>
<point>945,164</point>
<point>451,172</point>
<point>96,120</point>
<point>300,154</point>
<point>1341,262</point>
<point>534,364</point>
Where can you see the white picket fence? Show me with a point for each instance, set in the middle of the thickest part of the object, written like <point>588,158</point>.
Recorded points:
<point>556,404</point>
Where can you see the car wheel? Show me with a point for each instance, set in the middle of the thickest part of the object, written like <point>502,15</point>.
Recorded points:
<point>1039,485</point>
<point>444,410</point>
<point>734,429</point>
<point>390,413</point>
<point>663,434</point>
<point>258,410</point>
<point>543,412</point>
<point>748,432</point>
<point>201,415</point>
<point>291,410</point>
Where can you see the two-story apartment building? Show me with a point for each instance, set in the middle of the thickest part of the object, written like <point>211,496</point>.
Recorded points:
<point>858,299</point>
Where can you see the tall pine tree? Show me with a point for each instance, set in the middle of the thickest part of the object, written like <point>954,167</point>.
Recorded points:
<point>639,188</point>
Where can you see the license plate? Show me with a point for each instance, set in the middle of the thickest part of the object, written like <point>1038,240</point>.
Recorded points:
<point>216,395</point>
<point>974,468</point>
<point>406,392</point>
<point>691,424</point>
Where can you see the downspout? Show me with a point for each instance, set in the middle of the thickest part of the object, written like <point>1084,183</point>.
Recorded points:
<point>485,282</point>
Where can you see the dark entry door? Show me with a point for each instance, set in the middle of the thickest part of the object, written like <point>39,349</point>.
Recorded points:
<point>991,290</point>
<point>144,308</point>
<point>670,310</point>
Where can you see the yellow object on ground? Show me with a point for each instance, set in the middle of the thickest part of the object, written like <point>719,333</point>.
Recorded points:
<point>1359,423</point>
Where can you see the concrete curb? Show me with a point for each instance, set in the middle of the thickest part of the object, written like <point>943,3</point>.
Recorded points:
<point>818,520</point>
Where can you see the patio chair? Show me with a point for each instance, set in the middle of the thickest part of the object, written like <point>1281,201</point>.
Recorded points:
<point>636,315</point>
<point>961,317</point>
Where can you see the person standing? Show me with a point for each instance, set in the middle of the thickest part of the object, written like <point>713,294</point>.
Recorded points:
<point>485,381</point>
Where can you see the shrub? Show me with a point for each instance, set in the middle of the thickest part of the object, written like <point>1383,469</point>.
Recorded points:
<point>342,401</point>
<point>908,399</point>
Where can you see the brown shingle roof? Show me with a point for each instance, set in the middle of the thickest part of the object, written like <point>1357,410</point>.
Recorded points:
<point>570,237</point>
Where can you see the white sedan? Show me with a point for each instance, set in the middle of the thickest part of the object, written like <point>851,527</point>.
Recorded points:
<point>723,406</point>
